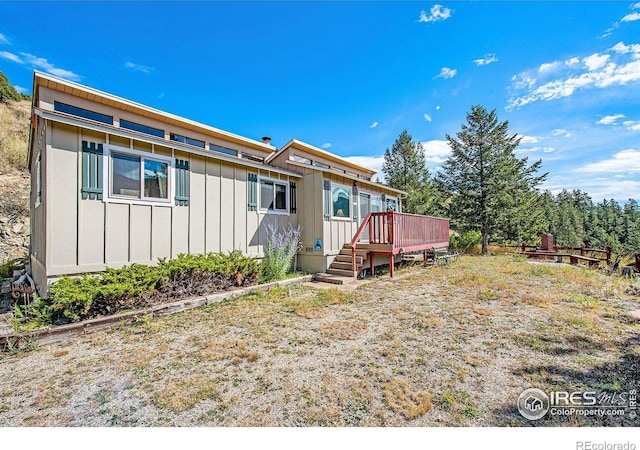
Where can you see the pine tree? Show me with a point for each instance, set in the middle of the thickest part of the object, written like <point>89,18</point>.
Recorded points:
<point>406,169</point>
<point>484,176</point>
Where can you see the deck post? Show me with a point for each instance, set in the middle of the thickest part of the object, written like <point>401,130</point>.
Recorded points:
<point>391,264</point>
<point>353,258</point>
<point>372,262</point>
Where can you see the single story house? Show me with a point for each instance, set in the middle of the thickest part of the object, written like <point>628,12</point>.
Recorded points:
<point>115,182</point>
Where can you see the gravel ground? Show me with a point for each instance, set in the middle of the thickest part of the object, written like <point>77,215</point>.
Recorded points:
<point>452,346</point>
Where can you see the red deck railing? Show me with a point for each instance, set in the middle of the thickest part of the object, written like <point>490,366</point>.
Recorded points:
<point>404,232</point>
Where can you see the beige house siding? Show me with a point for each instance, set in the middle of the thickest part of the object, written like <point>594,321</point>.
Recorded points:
<point>88,235</point>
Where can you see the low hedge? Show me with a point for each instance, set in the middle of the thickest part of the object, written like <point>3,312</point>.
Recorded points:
<point>138,286</point>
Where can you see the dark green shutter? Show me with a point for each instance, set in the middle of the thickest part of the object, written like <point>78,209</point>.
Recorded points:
<point>292,198</point>
<point>327,200</point>
<point>252,192</point>
<point>91,170</point>
<point>182,182</point>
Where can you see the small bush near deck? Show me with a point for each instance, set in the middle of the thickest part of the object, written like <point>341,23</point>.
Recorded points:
<point>138,285</point>
<point>466,241</point>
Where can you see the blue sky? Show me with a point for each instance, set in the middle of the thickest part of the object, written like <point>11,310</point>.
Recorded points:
<point>350,76</point>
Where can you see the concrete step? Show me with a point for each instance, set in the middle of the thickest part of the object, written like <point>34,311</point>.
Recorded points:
<point>342,272</point>
<point>347,258</point>
<point>341,265</point>
<point>333,279</point>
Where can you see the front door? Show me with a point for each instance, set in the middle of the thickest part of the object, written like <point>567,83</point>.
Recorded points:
<point>365,208</point>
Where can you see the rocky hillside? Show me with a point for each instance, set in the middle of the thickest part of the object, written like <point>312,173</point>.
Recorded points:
<point>14,180</point>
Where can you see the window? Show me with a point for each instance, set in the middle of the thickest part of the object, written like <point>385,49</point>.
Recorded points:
<point>141,128</point>
<point>225,150</point>
<point>392,205</point>
<point>322,165</point>
<point>273,196</point>
<point>299,159</point>
<point>341,200</point>
<point>81,112</point>
<point>186,140</point>
<point>134,175</point>
<point>376,203</point>
<point>251,157</point>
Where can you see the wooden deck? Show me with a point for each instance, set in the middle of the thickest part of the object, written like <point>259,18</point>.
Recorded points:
<point>392,233</point>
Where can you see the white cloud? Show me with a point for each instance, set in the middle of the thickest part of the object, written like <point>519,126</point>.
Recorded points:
<point>599,71</point>
<point>624,49</point>
<point>621,162</point>
<point>561,132</point>
<point>608,120</point>
<point>446,73</point>
<point>536,149</point>
<point>631,17</point>
<point>632,125</point>
<point>488,59</point>
<point>3,39</point>
<point>436,14</point>
<point>373,125</point>
<point>326,145</point>
<point>371,162</point>
<point>436,152</point>
<point>11,57</point>
<point>21,90</point>
<point>572,61</point>
<point>427,117</point>
<point>43,64</point>
<point>437,107</point>
<point>529,140</point>
<point>138,67</point>
<point>635,6</point>
<point>549,67</point>
<point>595,61</point>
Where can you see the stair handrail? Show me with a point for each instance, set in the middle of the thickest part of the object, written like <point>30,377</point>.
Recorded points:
<point>356,238</point>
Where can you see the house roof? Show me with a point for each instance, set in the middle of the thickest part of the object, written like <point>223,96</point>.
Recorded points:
<point>95,95</point>
<point>308,148</point>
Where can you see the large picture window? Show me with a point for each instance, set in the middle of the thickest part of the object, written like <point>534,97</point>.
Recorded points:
<point>273,196</point>
<point>139,176</point>
<point>341,200</point>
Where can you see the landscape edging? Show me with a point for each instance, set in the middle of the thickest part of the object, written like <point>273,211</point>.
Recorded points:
<point>64,332</point>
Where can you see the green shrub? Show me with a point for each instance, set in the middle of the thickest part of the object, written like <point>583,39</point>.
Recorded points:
<point>7,92</point>
<point>466,240</point>
<point>8,266</point>
<point>139,285</point>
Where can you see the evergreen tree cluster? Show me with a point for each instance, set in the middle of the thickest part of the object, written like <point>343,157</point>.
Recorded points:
<point>483,187</point>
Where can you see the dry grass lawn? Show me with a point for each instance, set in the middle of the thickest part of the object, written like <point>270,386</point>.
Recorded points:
<point>451,346</point>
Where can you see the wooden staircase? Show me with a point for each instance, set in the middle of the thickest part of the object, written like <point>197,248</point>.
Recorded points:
<point>342,265</point>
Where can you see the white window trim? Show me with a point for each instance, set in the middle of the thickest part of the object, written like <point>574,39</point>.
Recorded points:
<point>349,218</point>
<point>107,197</point>
<point>285,183</point>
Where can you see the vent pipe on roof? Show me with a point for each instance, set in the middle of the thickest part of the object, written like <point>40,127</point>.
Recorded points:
<point>266,140</point>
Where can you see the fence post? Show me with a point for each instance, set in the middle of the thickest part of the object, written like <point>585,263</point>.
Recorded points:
<point>608,250</point>
<point>524,248</point>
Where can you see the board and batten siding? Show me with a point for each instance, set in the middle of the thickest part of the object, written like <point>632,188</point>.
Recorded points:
<point>88,235</point>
